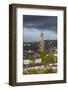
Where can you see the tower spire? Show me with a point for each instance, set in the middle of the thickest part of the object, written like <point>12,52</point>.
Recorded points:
<point>42,42</point>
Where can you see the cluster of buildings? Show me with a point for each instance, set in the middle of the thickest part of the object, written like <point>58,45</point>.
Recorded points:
<point>35,53</point>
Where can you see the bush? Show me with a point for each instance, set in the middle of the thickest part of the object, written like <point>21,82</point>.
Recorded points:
<point>33,71</point>
<point>50,70</point>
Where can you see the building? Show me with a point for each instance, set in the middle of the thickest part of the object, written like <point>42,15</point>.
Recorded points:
<point>42,43</point>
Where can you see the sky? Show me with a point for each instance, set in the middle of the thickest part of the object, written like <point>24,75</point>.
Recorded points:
<point>34,25</point>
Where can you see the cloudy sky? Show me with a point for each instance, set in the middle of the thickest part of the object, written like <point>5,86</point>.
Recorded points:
<point>34,25</point>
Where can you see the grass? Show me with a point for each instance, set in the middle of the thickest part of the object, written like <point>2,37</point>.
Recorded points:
<point>33,71</point>
<point>43,71</point>
<point>50,70</point>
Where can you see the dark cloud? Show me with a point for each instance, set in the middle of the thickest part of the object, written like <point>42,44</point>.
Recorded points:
<point>40,22</point>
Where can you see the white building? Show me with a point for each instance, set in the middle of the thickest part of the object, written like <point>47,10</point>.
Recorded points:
<point>27,61</point>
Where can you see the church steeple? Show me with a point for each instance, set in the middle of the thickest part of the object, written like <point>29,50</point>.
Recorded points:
<point>42,42</point>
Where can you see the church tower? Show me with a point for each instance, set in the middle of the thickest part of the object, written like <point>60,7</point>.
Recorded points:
<point>42,42</point>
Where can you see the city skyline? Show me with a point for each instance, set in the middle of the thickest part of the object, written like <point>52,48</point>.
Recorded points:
<point>34,25</point>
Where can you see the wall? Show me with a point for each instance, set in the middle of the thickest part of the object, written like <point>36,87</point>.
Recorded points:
<point>4,44</point>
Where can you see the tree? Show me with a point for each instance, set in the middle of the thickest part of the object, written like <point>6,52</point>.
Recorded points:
<point>44,58</point>
<point>55,59</point>
<point>32,61</point>
<point>51,59</point>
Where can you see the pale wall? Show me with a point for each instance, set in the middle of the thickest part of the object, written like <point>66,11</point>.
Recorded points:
<point>4,47</point>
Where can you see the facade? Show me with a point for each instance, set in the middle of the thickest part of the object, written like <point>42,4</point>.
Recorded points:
<point>27,61</point>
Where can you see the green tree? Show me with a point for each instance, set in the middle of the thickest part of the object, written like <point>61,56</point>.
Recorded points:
<point>51,59</point>
<point>44,58</point>
<point>55,59</point>
<point>32,61</point>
